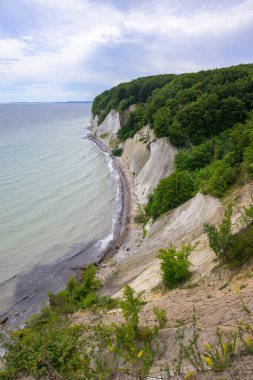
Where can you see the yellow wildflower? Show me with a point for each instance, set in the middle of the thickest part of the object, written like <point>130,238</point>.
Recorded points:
<point>140,353</point>
<point>224,347</point>
<point>248,340</point>
<point>208,347</point>
<point>111,348</point>
<point>237,289</point>
<point>190,376</point>
<point>208,361</point>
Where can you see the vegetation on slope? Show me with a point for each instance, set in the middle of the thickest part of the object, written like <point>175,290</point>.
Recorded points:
<point>206,114</point>
<point>187,108</point>
<point>125,94</point>
<point>211,167</point>
<point>232,249</point>
<point>195,107</point>
<point>51,346</point>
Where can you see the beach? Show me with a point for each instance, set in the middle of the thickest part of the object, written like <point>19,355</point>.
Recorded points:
<point>120,246</point>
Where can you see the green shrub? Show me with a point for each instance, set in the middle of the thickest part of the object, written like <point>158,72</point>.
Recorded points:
<point>131,306</point>
<point>170,193</point>
<point>195,158</point>
<point>220,237</point>
<point>160,316</point>
<point>175,264</point>
<point>248,214</point>
<point>51,350</point>
<point>133,124</point>
<point>162,121</point>
<point>50,347</point>
<point>117,151</point>
<point>79,293</point>
<point>219,176</point>
<point>248,158</point>
<point>240,247</point>
<point>126,348</point>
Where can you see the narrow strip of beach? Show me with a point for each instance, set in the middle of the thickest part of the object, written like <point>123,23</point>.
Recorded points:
<point>121,241</point>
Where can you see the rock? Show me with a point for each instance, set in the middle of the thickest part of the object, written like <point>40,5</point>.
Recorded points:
<point>136,152</point>
<point>108,129</point>
<point>3,320</point>
<point>159,165</point>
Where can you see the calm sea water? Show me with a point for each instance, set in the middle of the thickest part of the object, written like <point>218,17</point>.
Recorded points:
<point>57,197</point>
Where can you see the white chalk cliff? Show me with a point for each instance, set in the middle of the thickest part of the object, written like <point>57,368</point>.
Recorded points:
<point>136,152</point>
<point>159,165</point>
<point>108,129</point>
<point>148,158</point>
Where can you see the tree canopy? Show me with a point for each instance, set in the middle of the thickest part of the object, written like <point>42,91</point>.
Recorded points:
<point>187,108</point>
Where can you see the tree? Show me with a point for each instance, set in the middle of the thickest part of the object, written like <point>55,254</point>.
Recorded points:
<point>131,306</point>
<point>170,193</point>
<point>175,264</point>
<point>162,120</point>
<point>219,237</point>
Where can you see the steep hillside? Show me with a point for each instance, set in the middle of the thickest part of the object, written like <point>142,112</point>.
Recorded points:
<point>175,299</point>
<point>206,114</point>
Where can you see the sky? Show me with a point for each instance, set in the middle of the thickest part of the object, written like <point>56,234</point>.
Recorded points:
<point>61,50</point>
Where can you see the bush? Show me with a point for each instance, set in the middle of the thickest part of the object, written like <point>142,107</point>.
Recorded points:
<point>160,316</point>
<point>133,124</point>
<point>50,345</point>
<point>220,175</point>
<point>248,158</point>
<point>127,348</point>
<point>117,151</point>
<point>197,157</point>
<point>52,350</point>
<point>79,294</point>
<point>220,237</point>
<point>131,306</point>
<point>240,246</point>
<point>170,193</point>
<point>175,264</point>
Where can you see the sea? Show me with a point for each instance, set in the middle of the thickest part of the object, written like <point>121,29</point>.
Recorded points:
<point>59,200</point>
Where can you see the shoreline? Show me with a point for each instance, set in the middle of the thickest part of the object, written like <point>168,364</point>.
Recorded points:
<point>17,314</point>
<point>124,216</point>
<point>127,243</point>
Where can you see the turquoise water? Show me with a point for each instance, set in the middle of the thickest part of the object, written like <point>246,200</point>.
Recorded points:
<point>57,194</point>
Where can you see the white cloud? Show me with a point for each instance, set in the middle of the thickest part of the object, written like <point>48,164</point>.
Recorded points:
<point>12,49</point>
<point>164,21</point>
<point>70,33</point>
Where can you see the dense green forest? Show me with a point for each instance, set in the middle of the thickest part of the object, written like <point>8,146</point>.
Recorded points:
<point>125,94</point>
<point>207,115</point>
<point>188,108</point>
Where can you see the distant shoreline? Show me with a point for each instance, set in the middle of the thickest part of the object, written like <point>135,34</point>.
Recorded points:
<point>58,102</point>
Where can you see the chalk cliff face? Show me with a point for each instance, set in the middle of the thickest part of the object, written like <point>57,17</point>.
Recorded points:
<point>136,152</point>
<point>159,165</point>
<point>185,223</point>
<point>108,129</point>
<point>148,158</point>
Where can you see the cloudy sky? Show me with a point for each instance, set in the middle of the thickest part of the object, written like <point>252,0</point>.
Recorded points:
<point>54,50</point>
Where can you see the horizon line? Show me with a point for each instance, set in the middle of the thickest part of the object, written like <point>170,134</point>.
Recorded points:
<point>46,102</point>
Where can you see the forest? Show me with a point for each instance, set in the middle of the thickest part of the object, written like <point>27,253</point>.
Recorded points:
<point>206,115</point>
